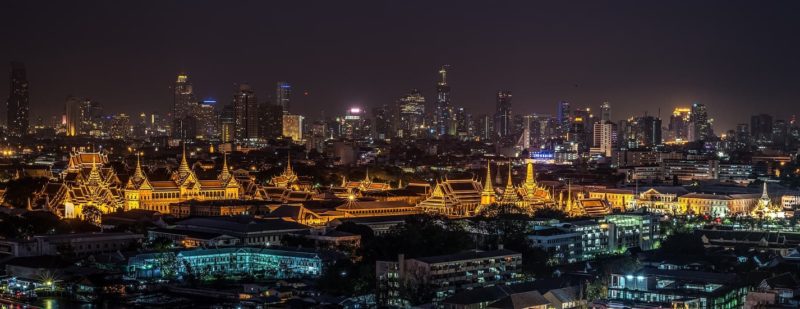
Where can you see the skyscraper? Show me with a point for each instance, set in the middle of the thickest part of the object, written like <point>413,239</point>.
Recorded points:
<point>442,111</point>
<point>700,123</point>
<point>564,117</point>
<point>245,107</point>
<point>293,127</point>
<point>411,115</point>
<point>679,123</point>
<point>283,95</point>
<point>72,116</point>
<point>18,104</point>
<point>761,128</point>
<point>182,101</point>
<point>605,112</point>
<point>502,116</point>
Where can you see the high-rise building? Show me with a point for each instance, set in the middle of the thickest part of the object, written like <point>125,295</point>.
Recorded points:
<point>206,117</point>
<point>463,123</point>
<point>120,126</point>
<point>354,125</point>
<point>271,120</point>
<point>443,110</point>
<point>383,121</point>
<point>700,123</point>
<point>679,123</point>
<point>18,104</point>
<point>604,138</point>
<point>502,116</point>
<point>283,95</point>
<point>72,116</point>
<point>485,128</point>
<point>761,128</point>
<point>410,121</point>
<point>293,127</point>
<point>245,105</point>
<point>605,112</point>
<point>227,124</point>
<point>564,117</point>
<point>182,104</point>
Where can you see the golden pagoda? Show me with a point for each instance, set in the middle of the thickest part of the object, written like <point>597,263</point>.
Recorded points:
<point>765,208</point>
<point>488,195</point>
<point>510,193</point>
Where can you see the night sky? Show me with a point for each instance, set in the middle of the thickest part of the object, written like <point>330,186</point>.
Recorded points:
<point>738,58</point>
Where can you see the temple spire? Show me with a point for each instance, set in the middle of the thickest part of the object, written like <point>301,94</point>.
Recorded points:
<point>530,176</point>
<point>488,186</point>
<point>225,174</point>
<point>289,164</point>
<point>184,167</point>
<point>138,174</point>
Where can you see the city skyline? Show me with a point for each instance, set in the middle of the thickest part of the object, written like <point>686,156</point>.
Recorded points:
<point>716,55</point>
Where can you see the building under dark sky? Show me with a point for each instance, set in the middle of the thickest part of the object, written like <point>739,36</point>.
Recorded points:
<point>736,57</point>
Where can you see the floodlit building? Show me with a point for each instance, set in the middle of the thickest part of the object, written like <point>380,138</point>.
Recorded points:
<point>272,263</point>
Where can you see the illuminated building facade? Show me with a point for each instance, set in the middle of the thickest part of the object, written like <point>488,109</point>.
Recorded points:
<point>245,107</point>
<point>411,115</point>
<point>502,116</point>
<point>442,114</point>
<point>273,263</point>
<point>293,127</point>
<point>87,189</point>
<point>678,129</point>
<point>141,193</point>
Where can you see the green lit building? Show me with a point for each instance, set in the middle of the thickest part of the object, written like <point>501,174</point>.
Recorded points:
<point>270,263</point>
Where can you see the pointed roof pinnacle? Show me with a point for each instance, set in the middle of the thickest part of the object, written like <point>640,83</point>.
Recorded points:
<point>488,186</point>
<point>509,183</point>
<point>225,173</point>
<point>184,167</point>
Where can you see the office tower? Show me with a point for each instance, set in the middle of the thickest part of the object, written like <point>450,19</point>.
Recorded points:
<point>502,115</point>
<point>679,123</point>
<point>245,106</point>
<point>383,121</point>
<point>270,120</point>
<point>182,101</point>
<point>354,125</point>
<point>18,104</point>
<point>780,133</point>
<point>485,128</point>
<point>206,119</point>
<point>72,116</point>
<point>463,122</point>
<point>604,138</point>
<point>700,123</point>
<point>293,127</point>
<point>761,128</point>
<point>442,110</point>
<point>410,120</point>
<point>742,133</point>
<point>564,117</point>
<point>605,112</point>
<point>120,126</point>
<point>647,131</point>
<point>283,95</point>
<point>227,124</point>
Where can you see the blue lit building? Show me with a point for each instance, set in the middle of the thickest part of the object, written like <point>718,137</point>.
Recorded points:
<point>678,288</point>
<point>271,263</point>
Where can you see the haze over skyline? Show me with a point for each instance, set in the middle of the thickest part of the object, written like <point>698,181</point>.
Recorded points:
<point>737,58</point>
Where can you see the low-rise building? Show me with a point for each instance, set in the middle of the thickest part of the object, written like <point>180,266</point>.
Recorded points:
<point>77,244</point>
<point>269,262</point>
<point>678,288</point>
<point>445,275</point>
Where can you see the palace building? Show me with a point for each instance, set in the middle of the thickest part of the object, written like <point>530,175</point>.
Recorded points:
<point>183,185</point>
<point>529,196</point>
<point>87,188</point>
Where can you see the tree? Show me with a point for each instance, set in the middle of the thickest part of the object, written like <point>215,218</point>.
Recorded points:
<point>550,213</point>
<point>682,244</point>
<point>20,191</point>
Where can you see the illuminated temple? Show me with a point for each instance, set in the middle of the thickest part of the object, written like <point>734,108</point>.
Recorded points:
<point>87,183</point>
<point>467,197</point>
<point>183,185</point>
